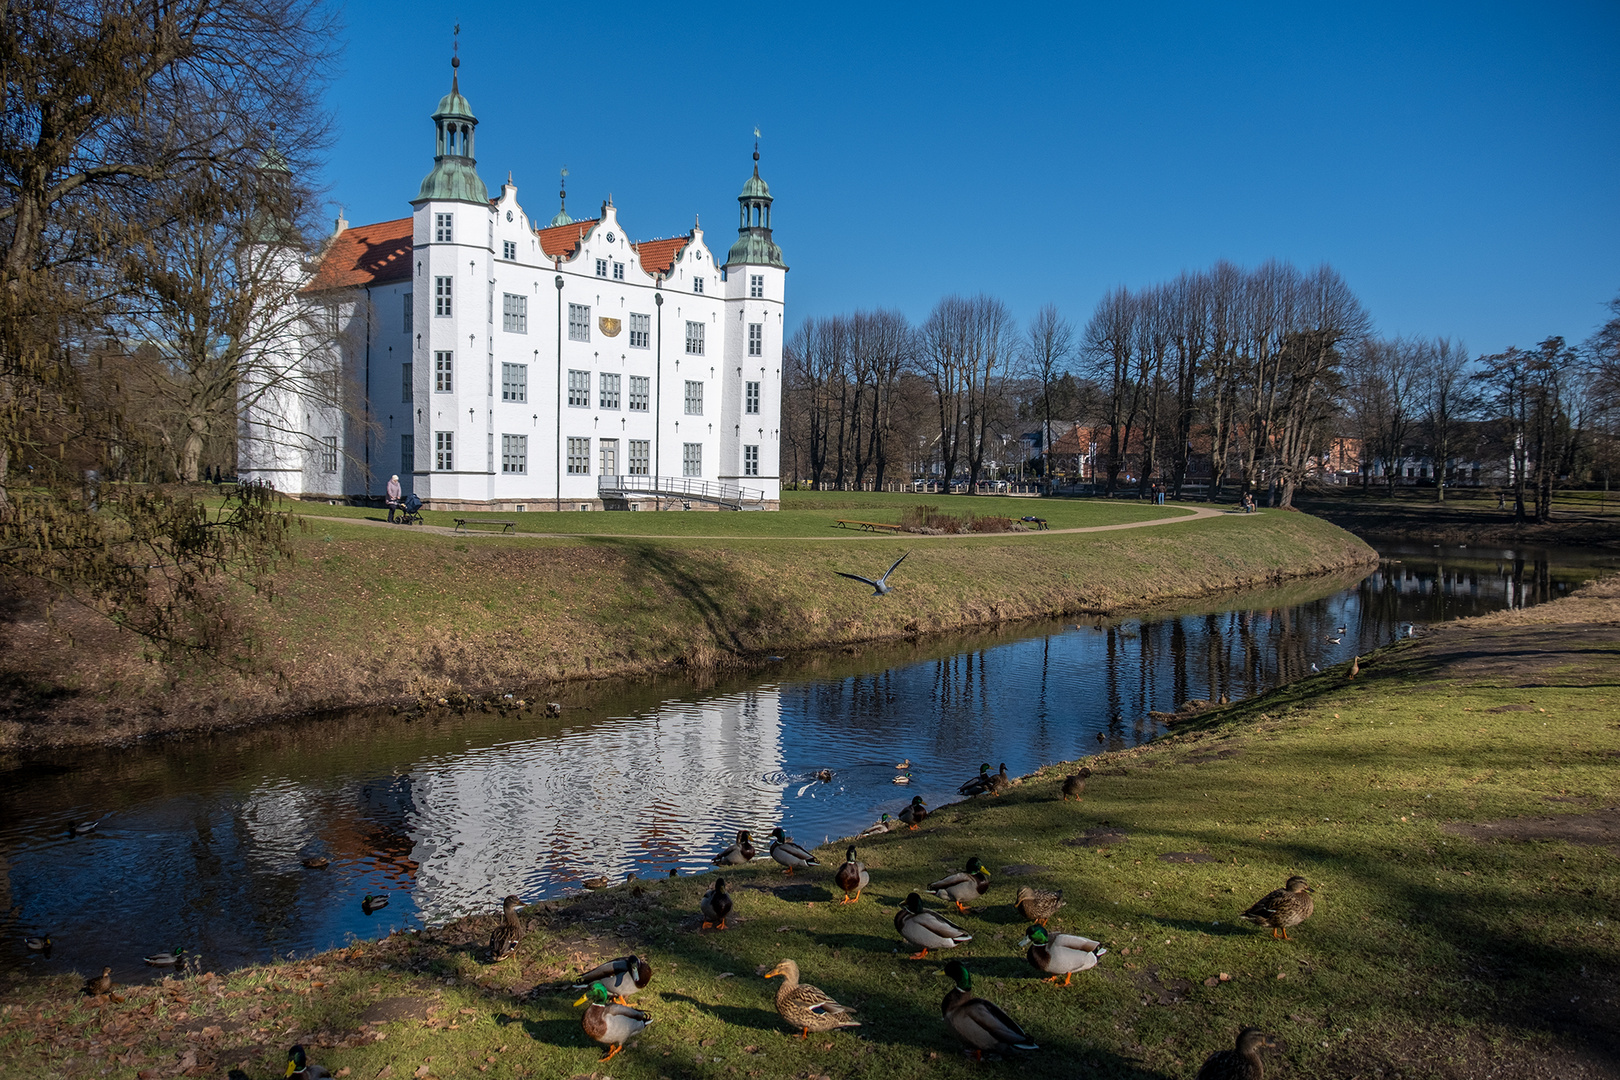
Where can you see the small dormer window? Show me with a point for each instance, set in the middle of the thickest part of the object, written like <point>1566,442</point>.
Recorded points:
<point>618,271</point>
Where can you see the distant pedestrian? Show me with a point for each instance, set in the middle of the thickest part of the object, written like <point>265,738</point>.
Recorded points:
<point>394,494</point>
<point>1501,500</point>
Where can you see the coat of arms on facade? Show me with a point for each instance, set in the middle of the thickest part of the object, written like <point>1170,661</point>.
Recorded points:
<point>610,327</point>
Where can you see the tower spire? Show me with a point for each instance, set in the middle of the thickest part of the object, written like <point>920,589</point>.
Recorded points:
<point>562,217</point>
<point>455,60</point>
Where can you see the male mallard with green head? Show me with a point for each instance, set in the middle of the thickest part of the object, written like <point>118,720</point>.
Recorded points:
<point>624,977</point>
<point>969,884</point>
<point>881,826</point>
<point>715,905</point>
<point>1282,908</point>
<point>852,877</point>
<point>1060,954</point>
<point>927,929</point>
<point>1074,786</point>
<point>788,853</point>
<point>979,784</point>
<point>609,1022</point>
<point>369,903</point>
<point>1038,905</point>
<point>300,1068</point>
<point>738,853</point>
<point>980,1023</point>
<point>1240,1063</point>
<point>915,813</point>
<point>807,1007</point>
<point>503,942</point>
<point>165,959</point>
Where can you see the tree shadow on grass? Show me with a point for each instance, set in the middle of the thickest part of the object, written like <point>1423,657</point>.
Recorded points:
<point>733,1015</point>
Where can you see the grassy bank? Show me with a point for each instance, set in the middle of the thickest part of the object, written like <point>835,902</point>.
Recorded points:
<point>370,614</point>
<point>1468,516</point>
<point>1448,807</point>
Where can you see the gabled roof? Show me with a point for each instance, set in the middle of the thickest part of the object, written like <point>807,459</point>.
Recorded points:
<point>561,241</point>
<point>657,256</point>
<point>365,255</point>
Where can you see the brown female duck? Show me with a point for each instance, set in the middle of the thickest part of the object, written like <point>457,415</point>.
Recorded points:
<point>806,1007</point>
<point>1282,908</point>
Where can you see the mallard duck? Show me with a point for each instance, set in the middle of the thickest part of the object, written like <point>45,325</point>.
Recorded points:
<point>902,779</point>
<point>716,905</point>
<point>1001,782</point>
<point>881,826</point>
<point>980,1023</point>
<point>968,884</point>
<point>81,828</point>
<point>611,1023</point>
<point>1240,1063</point>
<point>165,959</point>
<point>503,941</point>
<point>737,854</point>
<point>101,984</point>
<point>1074,787</point>
<point>807,1007</point>
<point>927,929</point>
<point>369,903</point>
<point>1282,908</point>
<point>979,784</point>
<point>317,862</point>
<point>903,765</point>
<point>299,1067</point>
<point>788,853</point>
<point>1355,668</point>
<point>624,977</point>
<point>1060,954</point>
<point>825,776</point>
<point>1038,905</point>
<point>596,883</point>
<point>38,944</point>
<point>915,813</point>
<point>852,877</point>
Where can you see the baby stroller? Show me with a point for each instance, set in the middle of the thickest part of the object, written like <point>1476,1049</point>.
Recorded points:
<point>410,510</point>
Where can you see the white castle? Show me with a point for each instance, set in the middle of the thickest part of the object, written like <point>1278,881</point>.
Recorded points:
<point>497,364</point>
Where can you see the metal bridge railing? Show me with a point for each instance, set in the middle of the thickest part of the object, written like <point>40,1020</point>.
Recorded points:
<point>680,487</point>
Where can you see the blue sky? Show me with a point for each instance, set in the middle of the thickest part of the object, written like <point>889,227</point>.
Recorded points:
<point>1458,164</point>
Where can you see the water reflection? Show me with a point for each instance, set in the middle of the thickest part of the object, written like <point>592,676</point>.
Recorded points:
<point>203,843</point>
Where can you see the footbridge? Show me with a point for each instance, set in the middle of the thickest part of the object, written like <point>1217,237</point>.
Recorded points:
<point>685,489</point>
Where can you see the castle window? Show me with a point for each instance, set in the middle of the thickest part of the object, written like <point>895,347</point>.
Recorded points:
<point>444,451</point>
<point>441,296</point>
<point>515,454</point>
<point>692,458</point>
<point>407,454</point>
<point>407,388</point>
<point>410,313</point>
<point>609,398</point>
<point>756,285</point>
<point>444,372</point>
<point>640,457</point>
<point>751,398</point>
<point>694,339</point>
<point>514,382</point>
<point>579,389</point>
<point>638,393</point>
<point>515,313</point>
<point>697,284</point>
<point>601,268</point>
<point>750,461</point>
<point>640,331</point>
<point>509,249</point>
<point>694,398</point>
<point>444,227</point>
<point>329,454</point>
<point>579,322</point>
<point>756,339</point>
<point>618,271</point>
<point>579,457</point>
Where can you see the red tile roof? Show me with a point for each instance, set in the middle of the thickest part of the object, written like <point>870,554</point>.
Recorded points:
<point>365,255</point>
<point>561,241</point>
<point>657,256</point>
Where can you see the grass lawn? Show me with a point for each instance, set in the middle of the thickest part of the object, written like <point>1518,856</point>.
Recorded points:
<point>1447,808</point>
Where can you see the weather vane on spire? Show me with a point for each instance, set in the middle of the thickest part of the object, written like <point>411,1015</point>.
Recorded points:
<point>756,149</point>
<point>455,47</point>
<point>562,194</point>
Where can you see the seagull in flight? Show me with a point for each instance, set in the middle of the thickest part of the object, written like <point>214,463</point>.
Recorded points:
<point>881,586</point>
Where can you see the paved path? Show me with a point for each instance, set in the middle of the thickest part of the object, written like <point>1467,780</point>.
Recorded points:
<point>1191,513</point>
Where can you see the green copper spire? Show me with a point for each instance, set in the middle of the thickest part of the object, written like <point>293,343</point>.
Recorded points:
<point>562,217</point>
<point>754,246</point>
<point>455,172</point>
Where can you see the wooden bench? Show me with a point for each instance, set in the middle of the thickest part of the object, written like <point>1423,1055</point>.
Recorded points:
<point>463,524</point>
<point>864,526</point>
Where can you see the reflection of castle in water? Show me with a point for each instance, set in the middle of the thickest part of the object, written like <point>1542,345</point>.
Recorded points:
<point>639,793</point>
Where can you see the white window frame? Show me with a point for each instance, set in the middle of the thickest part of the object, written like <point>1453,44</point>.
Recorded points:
<point>751,398</point>
<point>514,313</point>
<point>692,459</point>
<point>444,451</point>
<point>579,322</point>
<point>579,456</point>
<point>604,449</point>
<point>694,397</point>
<point>601,267</point>
<point>608,390</point>
<point>579,389</point>
<point>750,460</point>
<point>443,297</point>
<point>697,283</point>
<point>515,382</point>
<point>329,454</point>
<point>618,271</point>
<point>640,459</point>
<point>756,339</point>
<point>694,338</point>
<point>756,286</point>
<point>640,331</point>
<point>444,228</point>
<point>515,455</point>
<point>444,372</point>
<point>509,250</point>
<point>640,393</point>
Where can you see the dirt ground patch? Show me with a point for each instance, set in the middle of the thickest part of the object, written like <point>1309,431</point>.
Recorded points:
<point>1600,829</point>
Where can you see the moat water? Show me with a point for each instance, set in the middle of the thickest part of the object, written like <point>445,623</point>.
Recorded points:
<point>201,843</point>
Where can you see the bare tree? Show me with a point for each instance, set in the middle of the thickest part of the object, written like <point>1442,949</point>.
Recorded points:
<point>1444,400</point>
<point>1048,349</point>
<point>1384,374</point>
<point>1109,339</point>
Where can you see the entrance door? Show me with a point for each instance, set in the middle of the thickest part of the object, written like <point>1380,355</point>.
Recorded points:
<point>610,457</point>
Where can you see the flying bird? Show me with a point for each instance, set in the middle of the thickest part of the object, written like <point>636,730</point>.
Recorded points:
<point>881,586</point>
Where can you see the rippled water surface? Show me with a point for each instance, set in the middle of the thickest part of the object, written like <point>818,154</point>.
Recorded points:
<point>201,844</point>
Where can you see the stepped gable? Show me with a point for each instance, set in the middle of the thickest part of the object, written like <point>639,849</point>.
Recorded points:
<point>365,255</point>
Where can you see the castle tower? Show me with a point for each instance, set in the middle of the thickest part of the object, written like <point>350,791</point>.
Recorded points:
<point>756,284</point>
